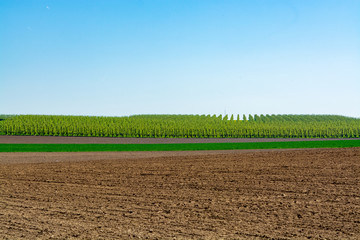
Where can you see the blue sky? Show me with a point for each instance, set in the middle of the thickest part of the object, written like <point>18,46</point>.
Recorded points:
<point>118,58</point>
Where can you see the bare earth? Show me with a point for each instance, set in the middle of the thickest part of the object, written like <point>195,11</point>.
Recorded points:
<point>56,139</point>
<point>281,194</point>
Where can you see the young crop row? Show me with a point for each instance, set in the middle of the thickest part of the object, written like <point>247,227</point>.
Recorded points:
<point>185,126</point>
<point>175,146</point>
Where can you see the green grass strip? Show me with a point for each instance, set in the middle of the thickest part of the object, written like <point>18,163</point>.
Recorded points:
<point>175,147</point>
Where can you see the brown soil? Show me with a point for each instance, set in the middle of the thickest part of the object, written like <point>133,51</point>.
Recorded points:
<point>184,195</point>
<point>53,139</point>
<point>38,157</point>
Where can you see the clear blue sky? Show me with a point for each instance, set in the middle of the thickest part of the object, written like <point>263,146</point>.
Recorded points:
<point>118,58</point>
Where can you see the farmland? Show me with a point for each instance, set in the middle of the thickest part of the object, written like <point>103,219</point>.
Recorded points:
<point>65,177</point>
<point>175,146</point>
<point>184,126</point>
<point>251,194</point>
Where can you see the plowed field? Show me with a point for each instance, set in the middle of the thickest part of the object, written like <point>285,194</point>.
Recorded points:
<point>282,194</point>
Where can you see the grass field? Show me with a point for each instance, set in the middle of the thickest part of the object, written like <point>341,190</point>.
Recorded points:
<point>175,147</point>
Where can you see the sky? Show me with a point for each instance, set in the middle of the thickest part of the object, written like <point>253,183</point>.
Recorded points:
<point>126,57</point>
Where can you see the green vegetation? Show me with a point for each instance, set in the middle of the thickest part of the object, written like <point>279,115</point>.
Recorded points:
<point>3,116</point>
<point>185,126</point>
<point>174,147</point>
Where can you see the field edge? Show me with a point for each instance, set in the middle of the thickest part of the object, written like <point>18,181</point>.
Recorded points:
<point>19,147</point>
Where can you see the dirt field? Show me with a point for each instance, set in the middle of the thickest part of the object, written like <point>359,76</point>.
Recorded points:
<point>53,139</point>
<point>181,195</point>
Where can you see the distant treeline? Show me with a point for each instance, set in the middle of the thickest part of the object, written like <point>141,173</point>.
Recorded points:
<point>185,126</point>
